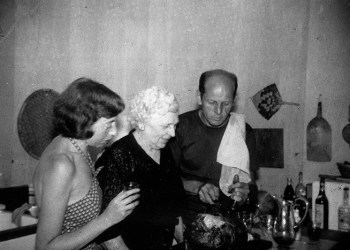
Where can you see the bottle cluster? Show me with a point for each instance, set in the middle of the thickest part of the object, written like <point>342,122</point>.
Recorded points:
<point>291,194</point>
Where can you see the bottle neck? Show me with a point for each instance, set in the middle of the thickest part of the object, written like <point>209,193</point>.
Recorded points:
<point>322,188</point>
<point>319,109</point>
<point>301,178</point>
<point>346,197</point>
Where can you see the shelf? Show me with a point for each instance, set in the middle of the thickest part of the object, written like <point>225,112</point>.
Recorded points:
<point>337,178</point>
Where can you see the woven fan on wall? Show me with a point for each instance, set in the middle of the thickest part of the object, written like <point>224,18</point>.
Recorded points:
<point>35,121</point>
<point>268,101</point>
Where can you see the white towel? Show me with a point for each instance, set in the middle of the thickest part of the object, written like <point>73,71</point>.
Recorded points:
<point>233,153</point>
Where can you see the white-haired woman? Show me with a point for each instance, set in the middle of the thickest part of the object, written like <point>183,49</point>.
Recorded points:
<point>142,157</point>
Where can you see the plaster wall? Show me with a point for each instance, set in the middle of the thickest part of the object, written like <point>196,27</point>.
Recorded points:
<point>302,46</point>
<point>328,73</point>
<point>7,119</point>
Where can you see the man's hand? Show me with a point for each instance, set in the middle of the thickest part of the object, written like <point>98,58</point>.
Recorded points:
<point>239,192</point>
<point>179,231</point>
<point>209,193</point>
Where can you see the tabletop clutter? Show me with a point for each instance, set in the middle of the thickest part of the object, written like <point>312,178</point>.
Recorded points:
<point>276,222</point>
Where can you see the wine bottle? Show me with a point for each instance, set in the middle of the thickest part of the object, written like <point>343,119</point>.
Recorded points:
<point>321,207</point>
<point>344,212</point>
<point>288,194</point>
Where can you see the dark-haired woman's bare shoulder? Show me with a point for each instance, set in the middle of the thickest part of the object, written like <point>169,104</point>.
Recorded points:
<point>59,167</point>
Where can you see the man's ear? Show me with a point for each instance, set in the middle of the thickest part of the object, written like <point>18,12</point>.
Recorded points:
<point>199,99</point>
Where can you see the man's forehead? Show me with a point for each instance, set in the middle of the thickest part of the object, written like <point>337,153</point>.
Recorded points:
<point>217,80</point>
<point>216,83</point>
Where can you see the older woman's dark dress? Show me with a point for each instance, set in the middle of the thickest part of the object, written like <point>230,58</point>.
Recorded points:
<point>151,225</point>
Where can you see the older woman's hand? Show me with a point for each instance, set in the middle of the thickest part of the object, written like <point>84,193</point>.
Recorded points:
<point>239,192</point>
<point>121,206</point>
<point>209,193</point>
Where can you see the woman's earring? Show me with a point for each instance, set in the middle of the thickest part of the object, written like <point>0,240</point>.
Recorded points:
<point>141,126</point>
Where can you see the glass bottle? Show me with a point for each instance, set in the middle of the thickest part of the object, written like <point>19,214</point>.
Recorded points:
<point>300,189</point>
<point>288,194</point>
<point>321,207</point>
<point>344,212</point>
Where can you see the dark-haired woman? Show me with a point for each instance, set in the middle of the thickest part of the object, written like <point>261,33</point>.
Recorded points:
<point>66,188</point>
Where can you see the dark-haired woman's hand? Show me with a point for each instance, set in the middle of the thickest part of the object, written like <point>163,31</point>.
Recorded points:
<point>121,206</point>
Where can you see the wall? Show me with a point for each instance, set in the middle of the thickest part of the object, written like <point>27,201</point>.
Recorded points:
<point>7,62</point>
<point>328,73</point>
<point>130,45</point>
<point>274,50</point>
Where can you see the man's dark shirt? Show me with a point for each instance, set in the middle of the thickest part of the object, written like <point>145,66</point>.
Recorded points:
<point>195,148</point>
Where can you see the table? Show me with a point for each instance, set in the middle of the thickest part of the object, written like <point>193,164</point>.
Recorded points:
<point>328,239</point>
<point>326,242</point>
<point>305,244</point>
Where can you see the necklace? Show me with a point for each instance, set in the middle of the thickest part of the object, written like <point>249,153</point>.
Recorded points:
<point>86,155</point>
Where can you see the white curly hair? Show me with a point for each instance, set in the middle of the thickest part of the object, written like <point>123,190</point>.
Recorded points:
<point>151,101</point>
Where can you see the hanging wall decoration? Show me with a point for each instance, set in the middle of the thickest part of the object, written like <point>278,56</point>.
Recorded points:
<point>269,147</point>
<point>35,121</point>
<point>319,138</point>
<point>268,101</point>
